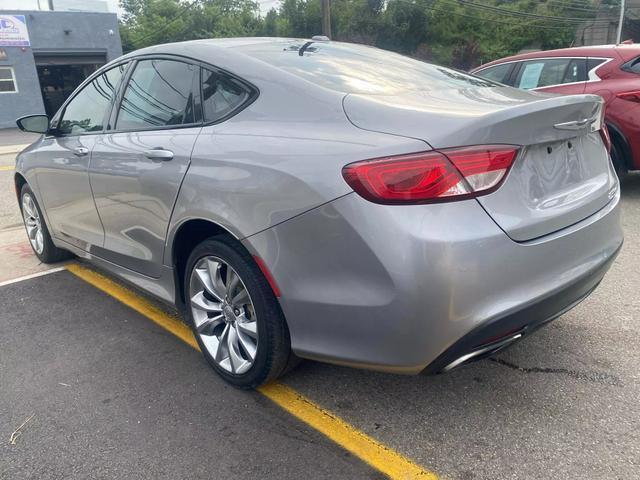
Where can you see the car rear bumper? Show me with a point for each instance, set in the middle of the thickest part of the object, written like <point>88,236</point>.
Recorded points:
<point>499,333</point>
<point>402,289</point>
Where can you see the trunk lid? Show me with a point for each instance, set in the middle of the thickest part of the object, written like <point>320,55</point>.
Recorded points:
<point>563,173</point>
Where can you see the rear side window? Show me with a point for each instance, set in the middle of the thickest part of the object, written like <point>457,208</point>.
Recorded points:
<point>221,95</point>
<point>497,73</point>
<point>158,94</point>
<point>552,71</point>
<point>86,112</point>
<point>633,66</point>
<point>593,63</point>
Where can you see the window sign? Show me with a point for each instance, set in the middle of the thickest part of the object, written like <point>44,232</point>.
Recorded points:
<point>531,75</point>
<point>13,31</point>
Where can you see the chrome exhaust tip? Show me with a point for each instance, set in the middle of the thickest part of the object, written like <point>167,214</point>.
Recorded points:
<point>483,351</point>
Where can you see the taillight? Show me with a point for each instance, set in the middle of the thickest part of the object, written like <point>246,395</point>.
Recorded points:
<point>430,177</point>
<point>630,96</point>
<point>606,138</point>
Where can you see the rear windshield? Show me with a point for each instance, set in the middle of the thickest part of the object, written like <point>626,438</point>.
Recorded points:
<point>359,69</point>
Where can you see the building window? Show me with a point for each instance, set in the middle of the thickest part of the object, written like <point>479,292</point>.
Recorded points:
<point>7,80</point>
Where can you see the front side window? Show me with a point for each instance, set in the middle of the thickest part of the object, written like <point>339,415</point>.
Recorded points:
<point>7,80</point>
<point>497,73</point>
<point>85,113</point>
<point>158,94</point>
<point>221,95</point>
<point>551,71</point>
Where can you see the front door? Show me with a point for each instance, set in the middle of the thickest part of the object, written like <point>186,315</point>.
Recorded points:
<point>137,169</point>
<point>62,174</point>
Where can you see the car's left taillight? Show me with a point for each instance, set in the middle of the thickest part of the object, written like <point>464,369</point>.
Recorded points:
<point>431,177</point>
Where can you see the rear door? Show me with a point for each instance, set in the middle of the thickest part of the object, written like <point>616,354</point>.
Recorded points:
<point>138,165</point>
<point>553,75</point>
<point>62,177</point>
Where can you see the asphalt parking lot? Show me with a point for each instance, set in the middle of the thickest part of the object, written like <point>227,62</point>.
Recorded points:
<point>106,393</point>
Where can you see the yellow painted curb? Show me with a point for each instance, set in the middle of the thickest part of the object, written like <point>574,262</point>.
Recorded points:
<point>356,442</point>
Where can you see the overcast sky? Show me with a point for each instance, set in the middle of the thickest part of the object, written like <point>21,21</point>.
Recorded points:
<point>265,5</point>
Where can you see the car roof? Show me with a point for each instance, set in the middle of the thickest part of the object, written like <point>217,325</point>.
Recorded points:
<point>236,43</point>
<point>338,67</point>
<point>621,51</point>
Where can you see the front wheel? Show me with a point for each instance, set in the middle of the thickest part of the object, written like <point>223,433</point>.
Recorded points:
<point>234,314</point>
<point>37,231</point>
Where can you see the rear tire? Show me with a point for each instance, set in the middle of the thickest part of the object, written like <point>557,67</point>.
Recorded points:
<point>37,230</point>
<point>617,158</point>
<point>234,314</point>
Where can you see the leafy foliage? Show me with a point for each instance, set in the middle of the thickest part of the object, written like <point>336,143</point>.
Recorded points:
<point>461,33</point>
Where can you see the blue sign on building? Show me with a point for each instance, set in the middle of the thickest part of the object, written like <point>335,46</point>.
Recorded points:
<point>13,31</point>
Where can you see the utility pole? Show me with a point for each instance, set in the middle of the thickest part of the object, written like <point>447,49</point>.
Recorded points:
<point>51,5</point>
<point>326,17</point>
<point>620,22</point>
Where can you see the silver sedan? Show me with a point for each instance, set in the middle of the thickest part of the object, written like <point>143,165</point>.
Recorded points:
<point>316,199</point>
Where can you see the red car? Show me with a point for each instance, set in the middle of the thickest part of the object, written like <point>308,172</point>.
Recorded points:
<point>611,71</point>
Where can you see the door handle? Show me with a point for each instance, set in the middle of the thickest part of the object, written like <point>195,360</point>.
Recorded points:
<point>80,151</point>
<point>159,154</point>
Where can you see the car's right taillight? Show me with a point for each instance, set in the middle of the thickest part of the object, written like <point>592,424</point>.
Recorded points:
<point>431,177</point>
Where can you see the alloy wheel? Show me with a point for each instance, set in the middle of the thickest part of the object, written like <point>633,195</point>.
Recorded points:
<point>223,314</point>
<point>33,223</point>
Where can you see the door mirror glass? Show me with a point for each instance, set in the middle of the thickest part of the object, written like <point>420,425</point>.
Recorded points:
<point>34,123</point>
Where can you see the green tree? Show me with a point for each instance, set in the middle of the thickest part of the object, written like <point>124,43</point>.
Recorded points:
<point>461,33</point>
<point>148,22</point>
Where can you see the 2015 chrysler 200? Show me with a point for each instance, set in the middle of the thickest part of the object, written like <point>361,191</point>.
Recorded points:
<point>328,201</point>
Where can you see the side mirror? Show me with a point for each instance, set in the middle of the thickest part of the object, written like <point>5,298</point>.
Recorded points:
<point>33,123</point>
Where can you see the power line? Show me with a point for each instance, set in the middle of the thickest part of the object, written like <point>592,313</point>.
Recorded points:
<point>581,8</point>
<point>507,22</point>
<point>439,9</point>
<point>515,13</point>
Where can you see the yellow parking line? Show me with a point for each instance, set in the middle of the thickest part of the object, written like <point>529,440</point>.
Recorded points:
<point>6,168</point>
<point>356,442</point>
<point>139,304</point>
